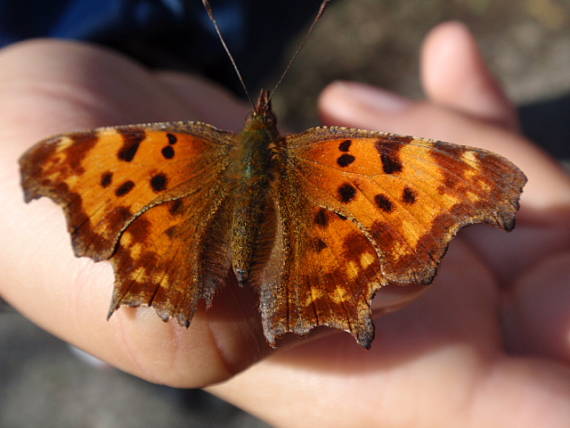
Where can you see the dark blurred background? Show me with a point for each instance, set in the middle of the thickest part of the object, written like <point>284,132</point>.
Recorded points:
<point>526,42</point>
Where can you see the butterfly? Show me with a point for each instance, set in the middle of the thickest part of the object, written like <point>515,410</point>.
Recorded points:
<point>316,222</point>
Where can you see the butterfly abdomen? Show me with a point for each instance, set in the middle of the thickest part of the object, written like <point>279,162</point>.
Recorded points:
<point>251,170</point>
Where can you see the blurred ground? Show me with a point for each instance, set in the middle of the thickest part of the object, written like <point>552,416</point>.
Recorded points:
<point>527,43</point>
<point>44,384</point>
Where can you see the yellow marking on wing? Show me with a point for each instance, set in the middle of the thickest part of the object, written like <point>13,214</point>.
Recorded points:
<point>484,185</point>
<point>72,180</point>
<point>63,144</point>
<point>366,259</point>
<point>340,295</point>
<point>138,274</point>
<point>450,200</point>
<point>352,270</point>
<point>160,278</point>
<point>126,239</point>
<point>470,158</point>
<point>400,249</point>
<point>315,294</point>
<point>54,175</point>
<point>472,196</point>
<point>136,250</point>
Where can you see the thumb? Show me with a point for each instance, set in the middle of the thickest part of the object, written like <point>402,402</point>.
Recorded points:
<point>454,74</point>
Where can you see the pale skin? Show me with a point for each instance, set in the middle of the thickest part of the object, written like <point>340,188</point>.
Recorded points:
<point>487,345</point>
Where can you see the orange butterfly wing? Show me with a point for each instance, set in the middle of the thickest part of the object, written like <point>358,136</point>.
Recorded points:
<point>126,192</point>
<point>353,211</point>
<point>361,209</point>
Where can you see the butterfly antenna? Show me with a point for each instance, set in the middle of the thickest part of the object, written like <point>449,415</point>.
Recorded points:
<point>301,45</point>
<point>208,8</point>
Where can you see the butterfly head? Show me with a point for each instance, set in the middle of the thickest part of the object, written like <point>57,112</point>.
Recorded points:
<point>262,116</point>
<point>263,104</point>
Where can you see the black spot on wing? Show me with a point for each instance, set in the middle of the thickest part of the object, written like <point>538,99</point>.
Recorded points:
<point>389,151</point>
<point>408,196</point>
<point>175,207</point>
<point>319,245</point>
<point>83,142</point>
<point>346,193</point>
<point>131,142</point>
<point>170,232</point>
<point>167,152</point>
<point>106,179</point>
<point>345,160</point>
<point>159,182</point>
<point>384,203</point>
<point>321,218</point>
<point>171,138</point>
<point>124,188</point>
<point>345,146</point>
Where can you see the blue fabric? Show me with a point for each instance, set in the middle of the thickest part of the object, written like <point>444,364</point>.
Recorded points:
<point>89,19</point>
<point>115,22</point>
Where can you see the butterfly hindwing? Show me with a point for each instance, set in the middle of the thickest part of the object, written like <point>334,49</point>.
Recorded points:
<point>174,255</point>
<point>322,272</point>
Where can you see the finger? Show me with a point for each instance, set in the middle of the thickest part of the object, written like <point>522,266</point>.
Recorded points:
<point>208,102</point>
<point>475,394</point>
<point>455,75</point>
<point>537,311</point>
<point>48,87</point>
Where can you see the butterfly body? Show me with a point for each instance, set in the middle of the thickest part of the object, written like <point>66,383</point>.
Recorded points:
<point>252,170</point>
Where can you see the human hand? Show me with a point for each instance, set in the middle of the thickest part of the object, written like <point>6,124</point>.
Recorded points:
<point>488,345</point>
<point>445,342</point>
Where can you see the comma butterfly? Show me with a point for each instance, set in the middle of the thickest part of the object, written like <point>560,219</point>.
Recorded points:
<point>316,222</point>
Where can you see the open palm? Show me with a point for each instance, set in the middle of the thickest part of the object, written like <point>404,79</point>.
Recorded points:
<point>486,345</point>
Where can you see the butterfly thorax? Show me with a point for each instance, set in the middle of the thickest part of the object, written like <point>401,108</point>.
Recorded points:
<point>252,171</point>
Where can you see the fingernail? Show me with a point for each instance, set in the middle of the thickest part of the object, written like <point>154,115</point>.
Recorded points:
<point>372,97</point>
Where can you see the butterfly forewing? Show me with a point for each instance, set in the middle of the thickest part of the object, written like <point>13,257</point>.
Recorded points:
<point>106,177</point>
<point>410,195</point>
